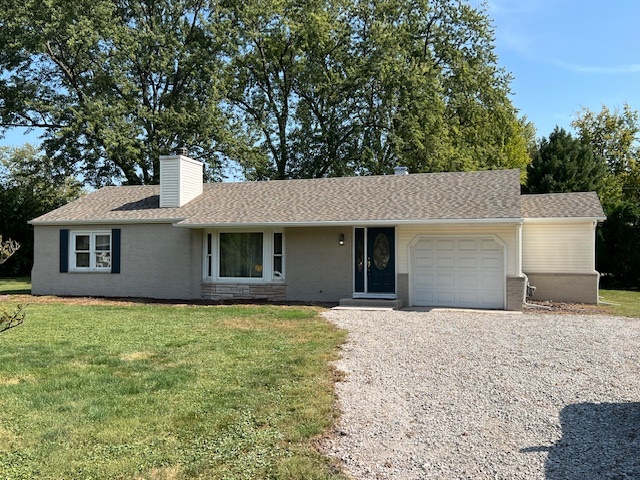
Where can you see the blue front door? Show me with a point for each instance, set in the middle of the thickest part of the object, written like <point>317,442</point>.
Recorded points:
<point>375,268</point>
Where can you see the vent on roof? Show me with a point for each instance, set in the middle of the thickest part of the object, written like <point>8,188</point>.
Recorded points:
<point>180,179</point>
<point>401,170</point>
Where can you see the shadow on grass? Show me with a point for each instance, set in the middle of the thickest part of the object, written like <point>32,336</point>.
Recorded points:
<point>599,441</point>
<point>15,286</point>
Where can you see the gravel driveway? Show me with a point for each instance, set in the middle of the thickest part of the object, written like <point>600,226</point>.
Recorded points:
<point>463,395</point>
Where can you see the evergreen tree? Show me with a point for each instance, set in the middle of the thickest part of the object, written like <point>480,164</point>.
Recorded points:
<point>562,163</point>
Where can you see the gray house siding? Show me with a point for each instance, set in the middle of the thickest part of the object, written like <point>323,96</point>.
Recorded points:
<point>318,268</point>
<point>157,261</point>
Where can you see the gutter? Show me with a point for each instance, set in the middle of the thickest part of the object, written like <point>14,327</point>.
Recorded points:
<point>358,223</point>
<point>105,221</point>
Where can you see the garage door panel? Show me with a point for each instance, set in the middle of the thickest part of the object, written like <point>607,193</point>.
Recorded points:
<point>444,297</point>
<point>491,281</point>
<point>468,280</point>
<point>445,280</point>
<point>445,262</point>
<point>468,298</point>
<point>467,245</point>
<point>445,245</point>
<point>491,263</point>
<point>458,272</point>
<point>468,262</point>
<point>488,245</point>
<point>424,280</point>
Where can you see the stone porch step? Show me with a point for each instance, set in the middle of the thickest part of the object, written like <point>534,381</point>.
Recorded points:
<point>370,303</point>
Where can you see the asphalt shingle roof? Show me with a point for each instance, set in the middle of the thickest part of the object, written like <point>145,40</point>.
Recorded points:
<point>459,195</point>
<point>562,205</point>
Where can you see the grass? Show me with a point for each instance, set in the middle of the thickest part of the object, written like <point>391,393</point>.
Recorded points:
<point>96,389</point>
<point>626,303</point>
<point>15,286</point>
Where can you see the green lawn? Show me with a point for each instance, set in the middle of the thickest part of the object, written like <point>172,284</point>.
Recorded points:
<point>627,303</point>
<point>114,390</point>
<point>15,286</point>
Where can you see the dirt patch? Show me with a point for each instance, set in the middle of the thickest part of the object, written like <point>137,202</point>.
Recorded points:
<point>136,356</point>
<point>549,307</point>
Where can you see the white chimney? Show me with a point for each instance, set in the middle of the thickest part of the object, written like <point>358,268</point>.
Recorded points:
<point>401,170</point>
<point>181,179</point>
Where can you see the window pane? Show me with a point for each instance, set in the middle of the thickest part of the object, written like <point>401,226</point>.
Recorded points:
<point>277,266</point>
<point>241,255</point>
<point>103,259</point>
<point>277,243</point>
<point>82,242</point>
<point>82,260</point>
<point>103,243</point>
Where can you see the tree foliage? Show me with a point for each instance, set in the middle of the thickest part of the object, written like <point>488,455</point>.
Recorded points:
<point>7,248</point>
<point>614,134</point>
<point>114,83</point>
<point>11,319</point>
<point>290,88</point>
<point>30,185</point>
<point>617,245</point>
<point>341,87</point>
<point>562,163</point>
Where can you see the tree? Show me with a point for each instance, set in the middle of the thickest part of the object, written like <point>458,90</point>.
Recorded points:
<point>9,319</point>
<point>30,185</point>
<point>115,83</point>
<point>617,246</point>
<point>7,248</point>
<point>338,88</point>
<point>290,88</point>
<point>614,136</point>
<point>565,164</point>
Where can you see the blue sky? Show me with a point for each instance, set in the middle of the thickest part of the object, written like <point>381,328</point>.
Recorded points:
<point>568,54</point>
<point>563,55</point>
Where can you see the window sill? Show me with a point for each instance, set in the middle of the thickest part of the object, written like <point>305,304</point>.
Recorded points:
<point>89,271</point>
<point>244,280</point>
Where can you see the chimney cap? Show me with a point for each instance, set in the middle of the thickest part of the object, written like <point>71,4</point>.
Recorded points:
<point>401,170</point>
<point>184,151</point>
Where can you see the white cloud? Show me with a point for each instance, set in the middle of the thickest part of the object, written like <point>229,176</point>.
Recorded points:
<point>610,70</point>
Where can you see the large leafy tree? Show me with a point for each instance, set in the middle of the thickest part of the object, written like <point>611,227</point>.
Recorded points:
<point>562,163</point>
<point>30,185</point>
<point>289,88</point>
<point>336,87</point>
<point>432,93</point>
<point>614,135</point>
<point>114,83</point>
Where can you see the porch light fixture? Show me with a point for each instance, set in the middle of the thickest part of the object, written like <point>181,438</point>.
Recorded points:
<point>341,239</point>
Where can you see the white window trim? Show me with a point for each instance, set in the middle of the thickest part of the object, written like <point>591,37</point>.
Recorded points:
<point>92,250</point>
<point>268,275</point>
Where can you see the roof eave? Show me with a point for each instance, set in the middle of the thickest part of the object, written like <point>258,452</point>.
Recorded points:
<point>363,223</point>
<point>105,221</point>
<point>564,219</point>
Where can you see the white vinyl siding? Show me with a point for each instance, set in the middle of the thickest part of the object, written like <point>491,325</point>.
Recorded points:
<point>180,180</point>
<point>558,247</point>
<point>406,234</point>
<point>169,183</point>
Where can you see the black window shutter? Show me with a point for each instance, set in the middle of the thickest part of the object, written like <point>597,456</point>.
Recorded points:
<point>115,253</point>
<point>64,250</point>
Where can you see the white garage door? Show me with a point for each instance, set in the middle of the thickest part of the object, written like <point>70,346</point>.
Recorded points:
<point>458,272</point>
